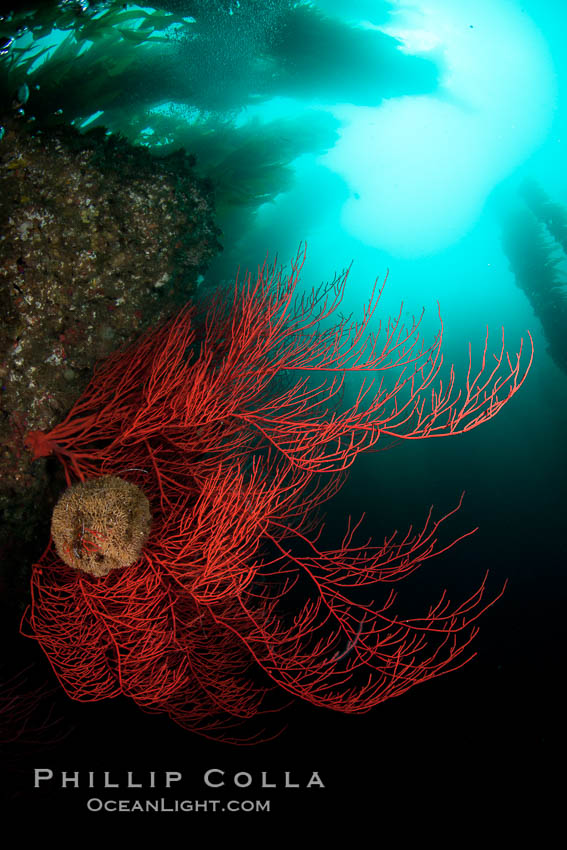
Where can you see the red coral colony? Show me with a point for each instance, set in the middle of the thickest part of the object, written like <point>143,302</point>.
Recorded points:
<point>229,423</point>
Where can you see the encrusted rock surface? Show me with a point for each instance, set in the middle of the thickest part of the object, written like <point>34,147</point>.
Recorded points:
<point>98,240</point>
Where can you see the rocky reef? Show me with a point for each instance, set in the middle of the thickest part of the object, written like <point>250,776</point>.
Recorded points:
<point>98,240</point>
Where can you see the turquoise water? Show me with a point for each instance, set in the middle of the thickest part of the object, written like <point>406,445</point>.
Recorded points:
<point>397,136</point>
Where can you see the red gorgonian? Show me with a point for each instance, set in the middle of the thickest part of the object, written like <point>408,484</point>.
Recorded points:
<point>232,422</point>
